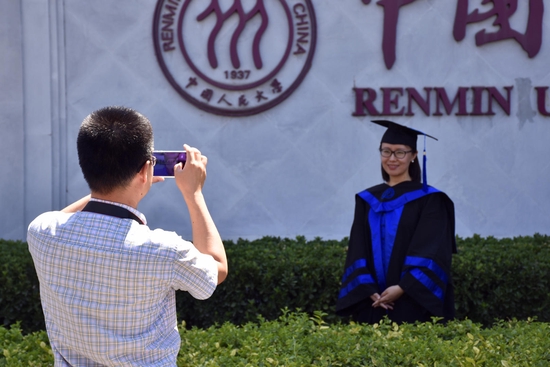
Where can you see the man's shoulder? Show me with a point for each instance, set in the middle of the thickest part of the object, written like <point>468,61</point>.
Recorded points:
<point>158,238</point>
<point>49,218</point>
<point>45,227</point>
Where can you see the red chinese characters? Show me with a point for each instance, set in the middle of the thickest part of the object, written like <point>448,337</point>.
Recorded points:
<point>391,17</point>
<point>502,10</point>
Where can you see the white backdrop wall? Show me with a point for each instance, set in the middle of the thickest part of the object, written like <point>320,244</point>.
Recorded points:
<point>293,169</point>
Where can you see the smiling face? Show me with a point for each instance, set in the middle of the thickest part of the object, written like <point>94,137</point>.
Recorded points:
<point>397,168</point>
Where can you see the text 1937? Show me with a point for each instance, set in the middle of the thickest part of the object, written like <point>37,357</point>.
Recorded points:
<point>237,74</point>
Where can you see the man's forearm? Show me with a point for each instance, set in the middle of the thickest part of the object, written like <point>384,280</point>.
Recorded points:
<point>206,237</point>
<point>77,205</point>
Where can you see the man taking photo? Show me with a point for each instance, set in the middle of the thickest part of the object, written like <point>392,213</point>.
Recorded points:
<point>107,281</point>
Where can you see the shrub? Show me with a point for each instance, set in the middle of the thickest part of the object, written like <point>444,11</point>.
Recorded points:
<point>296,339</point>
<point>502,279</point>
<point>29,350</point>
<point>19,288</point>
<point>494,279</point>
<point>268,275</point>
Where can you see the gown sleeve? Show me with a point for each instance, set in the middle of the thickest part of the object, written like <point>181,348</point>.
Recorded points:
<point>426,273</point>
<point>358,284</point>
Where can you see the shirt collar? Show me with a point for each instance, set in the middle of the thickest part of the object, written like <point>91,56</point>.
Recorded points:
<point>139,214</point>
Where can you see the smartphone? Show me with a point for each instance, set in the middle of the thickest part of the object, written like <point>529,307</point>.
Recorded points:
<point>166,160</point>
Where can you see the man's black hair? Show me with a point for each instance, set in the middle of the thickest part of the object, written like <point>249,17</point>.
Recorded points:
<point>113,144</point>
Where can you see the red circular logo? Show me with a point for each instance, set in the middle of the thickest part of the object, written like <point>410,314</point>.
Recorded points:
<point>235,57</point>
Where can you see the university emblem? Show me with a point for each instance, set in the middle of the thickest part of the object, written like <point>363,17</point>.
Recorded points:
<point>234,57</point>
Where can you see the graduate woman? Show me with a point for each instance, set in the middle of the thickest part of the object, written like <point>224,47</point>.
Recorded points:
<point>401,242</point>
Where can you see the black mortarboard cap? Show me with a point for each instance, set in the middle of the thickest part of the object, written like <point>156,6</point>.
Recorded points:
<point>399,134</point>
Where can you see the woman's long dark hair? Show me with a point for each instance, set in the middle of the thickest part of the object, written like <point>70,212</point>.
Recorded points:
<point>414,171</point>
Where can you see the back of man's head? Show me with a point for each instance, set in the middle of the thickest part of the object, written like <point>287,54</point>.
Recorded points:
<point>113,144</point>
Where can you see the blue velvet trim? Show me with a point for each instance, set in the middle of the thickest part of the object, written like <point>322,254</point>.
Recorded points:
<point>427,282</point>
<point>375,222</point>
<point>361,279</point>
<point>388,206</point>
<point>384,221</point>
<point>390,224</point>
<point>361,263</point>
<point>427,263</point>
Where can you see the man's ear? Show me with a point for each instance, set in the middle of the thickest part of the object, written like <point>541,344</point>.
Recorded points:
<point>144,172</point>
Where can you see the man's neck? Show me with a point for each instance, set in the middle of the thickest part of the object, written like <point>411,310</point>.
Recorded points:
<point>131,193</point>
<point>121,196</point>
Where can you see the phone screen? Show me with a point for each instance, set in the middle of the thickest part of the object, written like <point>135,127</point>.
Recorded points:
<point>166,160</point>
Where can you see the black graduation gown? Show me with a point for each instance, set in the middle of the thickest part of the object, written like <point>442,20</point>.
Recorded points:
<point>421,226</point>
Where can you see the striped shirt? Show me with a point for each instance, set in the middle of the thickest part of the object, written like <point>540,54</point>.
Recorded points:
<point>107,287</point>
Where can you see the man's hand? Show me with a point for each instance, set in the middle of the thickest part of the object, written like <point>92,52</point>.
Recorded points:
<point>191,176</point>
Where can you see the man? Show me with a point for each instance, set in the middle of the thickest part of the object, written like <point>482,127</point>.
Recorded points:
<point>107,281</point>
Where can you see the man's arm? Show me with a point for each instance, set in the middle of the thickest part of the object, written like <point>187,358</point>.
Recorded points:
<point>190,180</point>
<point>77,205</point>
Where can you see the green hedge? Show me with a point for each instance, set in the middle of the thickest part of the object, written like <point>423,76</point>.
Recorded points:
<point>19,289</point>
<point>268,275</point>
<point>494,279</point>
<point>297,340</point>
<point>502,279</point>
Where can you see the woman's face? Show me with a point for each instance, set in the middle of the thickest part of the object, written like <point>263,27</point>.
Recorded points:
<point>397,168</point>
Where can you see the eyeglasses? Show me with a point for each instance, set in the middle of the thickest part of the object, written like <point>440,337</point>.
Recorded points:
<point>399,154</point>
<point>153,161</point>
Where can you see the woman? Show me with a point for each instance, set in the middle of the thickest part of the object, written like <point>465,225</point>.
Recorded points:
<point>401,242</point>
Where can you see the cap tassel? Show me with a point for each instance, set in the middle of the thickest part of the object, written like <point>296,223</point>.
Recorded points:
<point>424,173</point>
